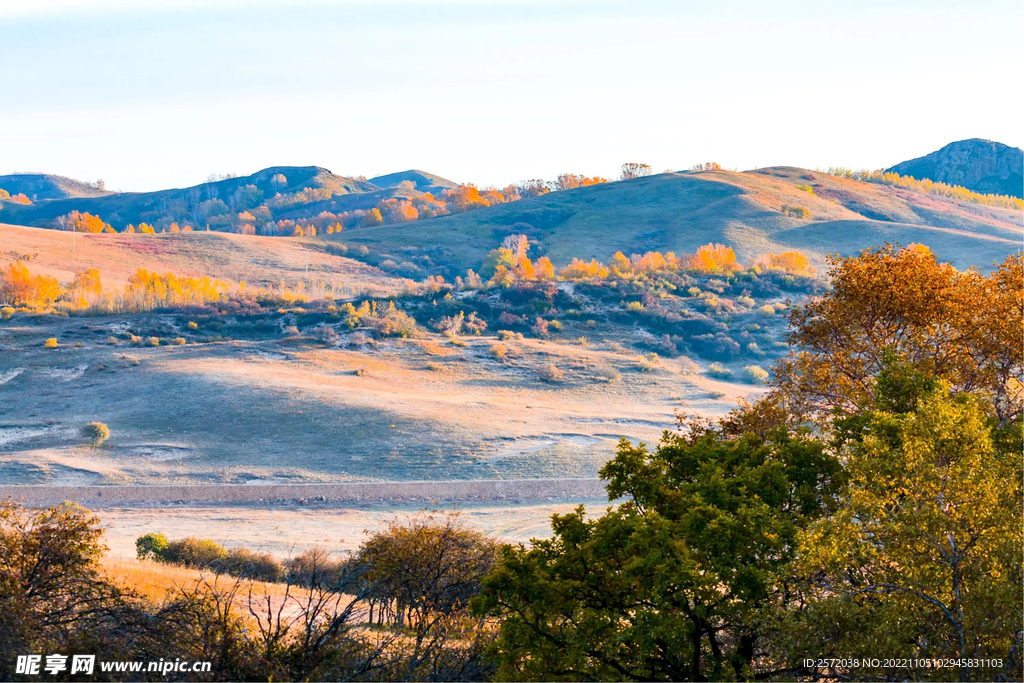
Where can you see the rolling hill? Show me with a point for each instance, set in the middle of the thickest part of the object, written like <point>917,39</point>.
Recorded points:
<point>681,211</point>
<point>134,207</point>
<point>980,165</point>
<point>41,186</point>
<point>423,181</point>
<point>767,210</point>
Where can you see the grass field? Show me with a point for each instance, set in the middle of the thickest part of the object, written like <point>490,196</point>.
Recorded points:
<point>251,259</point>
<point>290,410</point>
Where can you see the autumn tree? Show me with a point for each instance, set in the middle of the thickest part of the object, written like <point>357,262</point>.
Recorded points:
<point>83,222</point>
<point>18,287</point>
<point>961,326</point>
<point>372,217</point>
<point>632,170</point>
<point>50,580</point>
<point>85,287</point>
<point>794,262</point>
<point>424,572</point>
<point>532,188</point>
<point>569,181</point>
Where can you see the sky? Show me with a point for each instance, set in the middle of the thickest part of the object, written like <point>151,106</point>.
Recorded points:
<point>153,95</point>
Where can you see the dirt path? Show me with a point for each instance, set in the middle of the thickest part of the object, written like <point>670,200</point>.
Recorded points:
<point>439,492</point>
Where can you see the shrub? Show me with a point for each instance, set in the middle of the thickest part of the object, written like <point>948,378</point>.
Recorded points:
<point>767,309</point>
<point>719,372</point>
<point>392,322</point>
<point>635,306</point>
<point>688,367</point>
<point>97,432</point>
<point>796,212</point>
<point>292,331</point>
<point>550,373</point>
<point>112,340</point>
<point>151,546</point>
<point>50,343</point>
<point>648,362</point>
<point>715,346</point>
<point>555,325</point>
<point>6,312</point>
<point>582,341</point>
<point>314,568</point>
<point>499,351</point>
<point>327,335</point>
<point>194,552</point>
<point>746,301</point>
<point>607,374</point>
<point>192,326</point>
<point>153,341</point>
<point>755,374</point>
<point>505,335</point>
<point>246,564</point>
<point>178,341</point>
<point>540,327</point>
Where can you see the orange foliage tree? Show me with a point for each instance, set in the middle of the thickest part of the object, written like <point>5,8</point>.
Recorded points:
<point>712,258</point>
<point>147,291</point>
<point>960,326</point>
<point>582,270</point>
<point>20,288</point>
<point>85,288</point>
<point>83,222</point>
<point>569,181</point>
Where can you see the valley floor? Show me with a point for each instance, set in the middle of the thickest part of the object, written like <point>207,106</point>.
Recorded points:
<point>293,410</point>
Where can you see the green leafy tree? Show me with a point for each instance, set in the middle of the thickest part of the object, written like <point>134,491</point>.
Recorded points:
<point>151,546</point>
<point>922,560</point>
<point>667,586</point>
<point>497,257</point>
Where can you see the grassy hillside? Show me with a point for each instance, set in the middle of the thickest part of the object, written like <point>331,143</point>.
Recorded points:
<point>41,186</point>
<point>423,181</point>
<point>251,259</point>
<point>681,211</point>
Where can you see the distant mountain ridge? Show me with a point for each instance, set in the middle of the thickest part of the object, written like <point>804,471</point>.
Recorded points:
<point>43,186</point>
<point>980,165</point>
<point>53,196</point>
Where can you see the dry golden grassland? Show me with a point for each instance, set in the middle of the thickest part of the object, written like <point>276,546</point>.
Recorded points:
<point>255,260</point>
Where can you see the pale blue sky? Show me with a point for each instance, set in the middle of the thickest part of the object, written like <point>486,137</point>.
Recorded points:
<point>494,92</point>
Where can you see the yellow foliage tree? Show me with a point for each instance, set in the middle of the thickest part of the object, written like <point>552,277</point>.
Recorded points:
<point>794,262</point>
<point>581,270</point>
<point>712,258</point>
<point>18,287</point>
